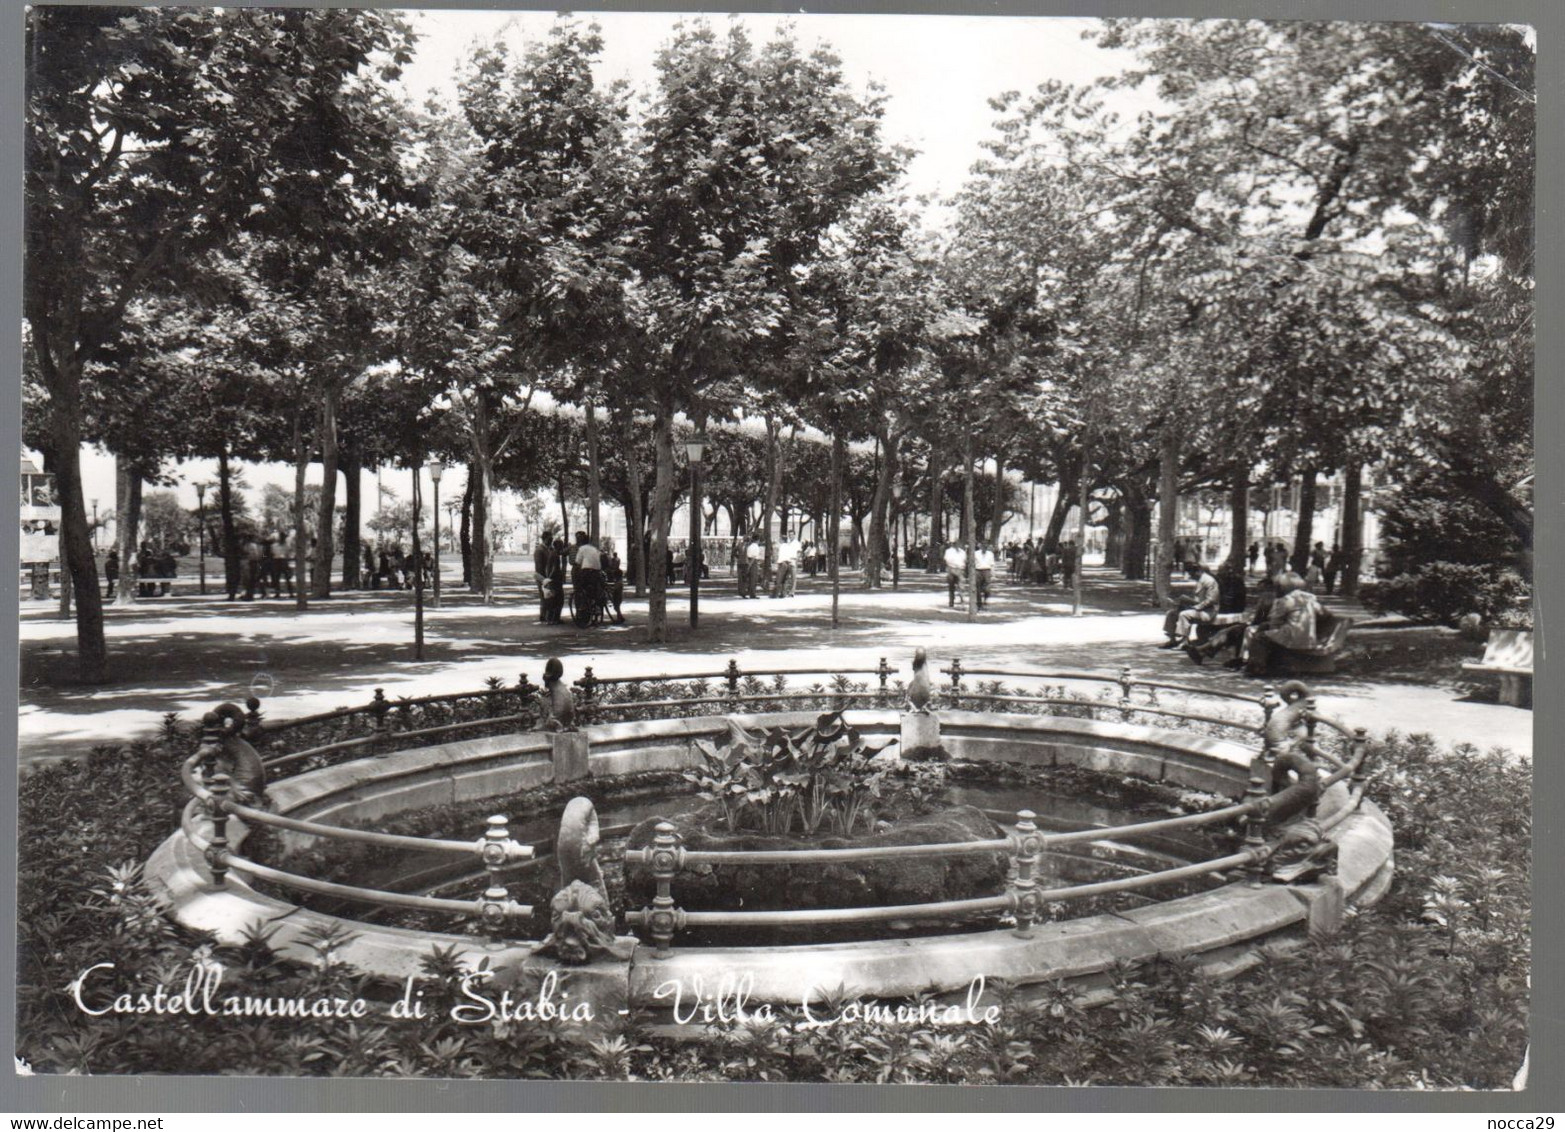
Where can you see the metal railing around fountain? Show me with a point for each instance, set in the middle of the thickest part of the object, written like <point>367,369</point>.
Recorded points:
<point>213,794</point>
<point>1023,899</point>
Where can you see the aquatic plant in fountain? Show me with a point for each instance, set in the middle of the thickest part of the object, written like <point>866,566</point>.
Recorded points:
<point>824,776</point>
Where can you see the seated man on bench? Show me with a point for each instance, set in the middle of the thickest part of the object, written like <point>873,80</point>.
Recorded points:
<point>1290,624</point>
<point>1228,633</point>
<point>1191,610</point>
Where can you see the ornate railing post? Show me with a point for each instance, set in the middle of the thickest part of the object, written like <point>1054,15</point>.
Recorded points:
<point>1309,723</point>
<point>217,808</point>
<point>956,675</point>
<point>496,850</point>
<point>1270,702</point>
<point>589,694</point>
<point>381,709</point>
<point>731,674</point>
<point>1257,793</point>
<point>1126,684</point>
<point>1358,752</point>
<point>1026,845</point>
<point>526,692</point>
<point>253,730</point>
<point>663,919</point>
<point>211,742</point>
<point>883,670</point>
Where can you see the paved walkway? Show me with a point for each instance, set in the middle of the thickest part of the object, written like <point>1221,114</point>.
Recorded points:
<point>186,654</point>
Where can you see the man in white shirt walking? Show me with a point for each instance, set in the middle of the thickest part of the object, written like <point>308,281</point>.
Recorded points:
<point>956,568</point>
<point>983,564</point>
<point>787,566</point>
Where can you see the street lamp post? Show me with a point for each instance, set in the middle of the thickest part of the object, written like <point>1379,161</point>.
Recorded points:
<point>695,448</point>
<point>435,468</point>
<point>201,531</point>
<point>896,524</point>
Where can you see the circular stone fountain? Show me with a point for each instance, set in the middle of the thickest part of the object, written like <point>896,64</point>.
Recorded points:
<point>1222,925</point>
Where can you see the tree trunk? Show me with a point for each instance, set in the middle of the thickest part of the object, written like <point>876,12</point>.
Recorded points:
<point>565,515</point>
<point>1304,533</point>
<point>1057,517</point>
<point>1239,513</point>
<point>1167,515</point>
<point>466,534</point>
<point>56,340</point>
<point>594,476</point>
<point>936,508</point>
<point>834,539</point>
<point>1138,534</point>
<point>326,514</point>
<point>662,516</point>
<point>969,530</point>
<point>769,504</point>
<point>876,557</point>
<point>481,472</point>
<point>1352,528</point>
<point>78,569</point>
<point>418,570</point>
<point>1114,542</point>
<point>635,542</point>
<point>225,504</point>
<point>301,464</point>
<point>352,517</point>
<point>127,524</point>
<point>997,516</point>
<point>1083,502</point>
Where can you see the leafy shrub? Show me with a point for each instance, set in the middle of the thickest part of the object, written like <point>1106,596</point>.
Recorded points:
<point>822,775</point>
<point>1441,592</point>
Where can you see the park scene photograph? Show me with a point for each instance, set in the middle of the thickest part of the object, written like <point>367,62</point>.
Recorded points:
<point>879,549</point>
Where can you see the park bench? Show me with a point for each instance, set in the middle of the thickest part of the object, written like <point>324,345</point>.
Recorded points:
<point>1331,637</point>
<point>1509,655</point>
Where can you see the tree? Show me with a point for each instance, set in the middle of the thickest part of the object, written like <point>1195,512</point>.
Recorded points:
<point>746,159</point>
<point>151,135</point>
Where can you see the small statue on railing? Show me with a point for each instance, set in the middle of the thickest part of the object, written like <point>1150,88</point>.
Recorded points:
<point>224,750</point>
<point>581,921</point>
<point>556,705</point>
<point>918,689</point>
<point>1302,853</point>
<point>1287,727</point>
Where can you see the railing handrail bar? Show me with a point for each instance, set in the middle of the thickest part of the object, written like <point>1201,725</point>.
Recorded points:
<point>1105,677</point>
<point>948,907</point>
<point>810,856</point>
<point>353,892</point>
<point>324,749</point>
<point>1161,825</point>
<point>364,836</point>
<point>685,678</point>
<point>1103,705</point>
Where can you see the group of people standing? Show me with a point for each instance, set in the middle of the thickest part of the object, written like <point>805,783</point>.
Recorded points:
<point>750,566</point>
<point>591,569</point>
<point>1032,564</point>
<point>153,568</point>
<point>956,572</point>
<point>1320,572</point>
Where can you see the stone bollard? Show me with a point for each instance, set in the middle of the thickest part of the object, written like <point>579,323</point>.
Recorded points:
<point>920,734</point>
<point>571,753</point>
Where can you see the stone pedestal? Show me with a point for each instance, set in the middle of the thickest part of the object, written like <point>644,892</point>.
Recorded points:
<point>920,734</point>
<point>602,986</point>
<point>1327,903</point>
<point>570,756</point>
